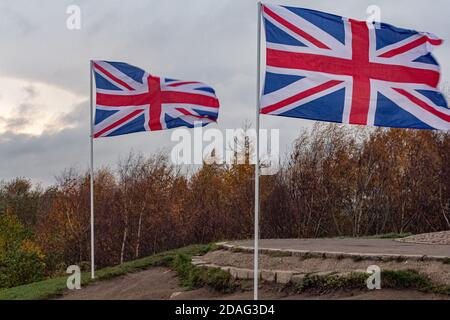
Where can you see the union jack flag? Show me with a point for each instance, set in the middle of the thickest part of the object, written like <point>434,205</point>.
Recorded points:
<point>130,100</point>
<point>329,68</point>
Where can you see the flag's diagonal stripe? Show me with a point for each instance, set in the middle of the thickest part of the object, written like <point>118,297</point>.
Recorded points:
<point>411,45</point>
<point>417,111</point>
<point>295,29</point>
<point>119,114</point>
<point>423,104</point>
<point>188,113</point>
<point>110,75</point>
<point>300,96</point>
<point>118,122</point>
<point>307,81</point>
<point>188,117</point>
<point>122,75</point>
<point>407,59</point>
<point>177,84</point>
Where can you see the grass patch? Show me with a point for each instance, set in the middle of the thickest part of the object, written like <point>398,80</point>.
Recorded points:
<point>195,277</point>
<point>307,255</point>
<point>405,279</point>
<point>357,258</point>
<point>327,283</point>
<point>393,279</point>
<point>38,290</point>
<point>446,261</point>
<point>411,279</point>
<point>53,287</point>
<point>277,254</point>
<point>392,235</point>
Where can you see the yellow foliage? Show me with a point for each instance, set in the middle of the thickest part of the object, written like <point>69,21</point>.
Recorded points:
<point>31,247</point>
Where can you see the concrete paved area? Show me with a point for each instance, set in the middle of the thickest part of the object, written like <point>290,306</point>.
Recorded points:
<point>350,246</point>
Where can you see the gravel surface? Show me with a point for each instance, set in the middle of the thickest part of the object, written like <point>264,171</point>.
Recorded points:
<point>442,237</point>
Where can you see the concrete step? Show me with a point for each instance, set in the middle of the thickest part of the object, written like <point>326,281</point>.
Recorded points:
<point>277,276</point>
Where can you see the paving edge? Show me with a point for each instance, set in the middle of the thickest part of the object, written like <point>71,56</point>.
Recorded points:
<point>277,276</point>
<point>331,254</point>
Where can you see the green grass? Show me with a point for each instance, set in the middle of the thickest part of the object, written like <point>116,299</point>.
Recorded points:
<point>393,279</point>
<point>53,287</point>
<point>278,254</point>
<point>328,283</point>
<point>392,235</point>
<point>192,277</point>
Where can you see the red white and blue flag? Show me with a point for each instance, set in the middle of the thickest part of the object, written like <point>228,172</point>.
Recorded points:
<point>329,68</point>
<point>130,100</point>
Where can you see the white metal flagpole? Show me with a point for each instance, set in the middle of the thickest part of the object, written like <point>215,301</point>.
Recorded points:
<point>257,167</point>
<point>91,119</point>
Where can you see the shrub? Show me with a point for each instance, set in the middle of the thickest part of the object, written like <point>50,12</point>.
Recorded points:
<point>21,267</point>
<point>21,260</point>
<point>326,283</point>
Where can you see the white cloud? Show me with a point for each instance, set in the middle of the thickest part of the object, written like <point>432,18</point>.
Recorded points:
<point>34,107</point>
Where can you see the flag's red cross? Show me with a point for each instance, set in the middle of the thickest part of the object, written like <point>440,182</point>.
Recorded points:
<point>153,100</point>
<point>359,67</point>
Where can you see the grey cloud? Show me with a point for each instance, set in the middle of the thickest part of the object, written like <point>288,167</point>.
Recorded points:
<point>21,120</point>
<point>24,111</point>
<point>17,23</point>
<point>30,91</point>
<point>78,115</point>
<point>40,158</point>
<point>16,123</point>
<point>25,107</point>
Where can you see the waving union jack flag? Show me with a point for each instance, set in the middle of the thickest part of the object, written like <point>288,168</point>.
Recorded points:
<point>131,100</point>
<point>325,67</point>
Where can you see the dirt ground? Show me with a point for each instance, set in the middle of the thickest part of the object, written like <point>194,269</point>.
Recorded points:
<point>162,283</point>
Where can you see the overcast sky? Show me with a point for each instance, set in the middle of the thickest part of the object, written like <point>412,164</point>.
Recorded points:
<point>44,68</point>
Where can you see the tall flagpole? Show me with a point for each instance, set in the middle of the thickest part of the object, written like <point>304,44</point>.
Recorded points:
<point>91,123</point>
<point>257,168</point>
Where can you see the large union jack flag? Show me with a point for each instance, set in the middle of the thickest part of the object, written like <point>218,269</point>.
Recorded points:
<point>325,67</point>
<point>130,100</point>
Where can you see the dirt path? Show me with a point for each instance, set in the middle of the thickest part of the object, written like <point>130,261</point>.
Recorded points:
<point>162,283</point>
<point>155,283</point>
